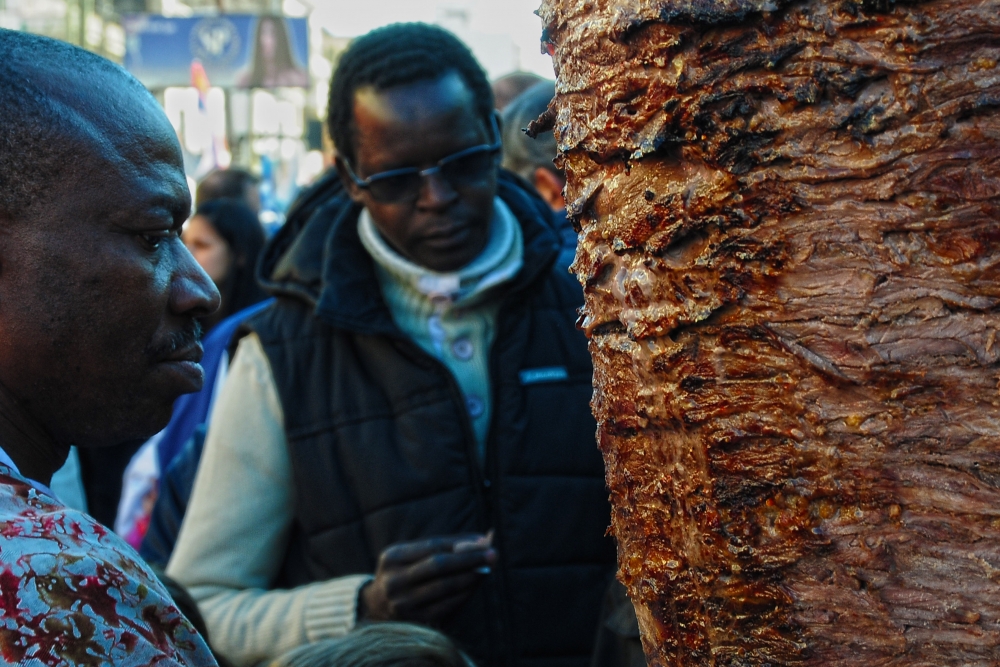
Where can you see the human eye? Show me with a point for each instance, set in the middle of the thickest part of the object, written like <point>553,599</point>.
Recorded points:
<point>152,240</point>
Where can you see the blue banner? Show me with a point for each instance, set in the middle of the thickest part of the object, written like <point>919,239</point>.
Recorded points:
<point>236,50</point>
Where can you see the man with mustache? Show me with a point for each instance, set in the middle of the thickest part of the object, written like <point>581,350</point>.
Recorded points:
<point>98,337</point>
<point>406,433</point>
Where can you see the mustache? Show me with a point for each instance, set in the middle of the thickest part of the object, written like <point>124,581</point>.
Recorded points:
<point>187,336</point>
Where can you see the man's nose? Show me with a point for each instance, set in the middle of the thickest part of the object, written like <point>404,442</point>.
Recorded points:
<point>192,292</point>
<point>436,192</point>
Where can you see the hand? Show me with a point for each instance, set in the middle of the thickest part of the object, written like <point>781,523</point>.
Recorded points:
<point>426,580</point>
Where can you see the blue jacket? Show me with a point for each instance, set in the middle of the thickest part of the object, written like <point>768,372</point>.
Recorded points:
<point>179,451</point>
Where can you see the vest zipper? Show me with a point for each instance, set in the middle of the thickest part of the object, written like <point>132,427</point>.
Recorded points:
<point>481,476</point>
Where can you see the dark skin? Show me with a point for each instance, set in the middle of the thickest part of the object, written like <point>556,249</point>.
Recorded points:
<point>415,125</point>
<point>423,581</point>
<point>98,296</point>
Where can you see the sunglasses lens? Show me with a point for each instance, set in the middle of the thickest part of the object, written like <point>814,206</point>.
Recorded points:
<point>460,172</point>
<point>404,187</point>
<point>468,170</point>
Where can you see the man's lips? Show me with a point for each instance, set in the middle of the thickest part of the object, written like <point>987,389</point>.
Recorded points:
<point>446,235</point>
<point>185,367</point>
<point>191,353</point>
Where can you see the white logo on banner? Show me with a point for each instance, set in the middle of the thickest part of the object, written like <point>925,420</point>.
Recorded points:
<point>215,40</point>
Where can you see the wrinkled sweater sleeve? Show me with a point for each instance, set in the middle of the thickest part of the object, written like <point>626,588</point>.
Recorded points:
<point>236,530</point>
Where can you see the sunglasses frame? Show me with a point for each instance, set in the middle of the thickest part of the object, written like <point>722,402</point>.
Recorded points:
<point>366,183</point>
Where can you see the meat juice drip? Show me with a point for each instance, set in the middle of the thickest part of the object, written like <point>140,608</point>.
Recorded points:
<point>790,250</point>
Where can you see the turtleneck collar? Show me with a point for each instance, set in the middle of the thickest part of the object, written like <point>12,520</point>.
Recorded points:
<point>500,261</point>
<point>35,453</point>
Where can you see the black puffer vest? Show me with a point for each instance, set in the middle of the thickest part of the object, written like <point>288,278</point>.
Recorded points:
<point>383,450</point>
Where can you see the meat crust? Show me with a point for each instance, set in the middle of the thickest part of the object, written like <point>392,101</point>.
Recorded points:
<point>790,249</point>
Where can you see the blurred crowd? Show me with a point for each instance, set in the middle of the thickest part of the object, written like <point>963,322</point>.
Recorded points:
<point>391,460</point>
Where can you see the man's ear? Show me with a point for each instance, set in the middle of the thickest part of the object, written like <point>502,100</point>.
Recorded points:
<point>352,189</point>
<point>550,186</point>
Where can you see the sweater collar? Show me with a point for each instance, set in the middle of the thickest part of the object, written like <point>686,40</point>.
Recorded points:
<point>498,263</point>
<point>318,258</point>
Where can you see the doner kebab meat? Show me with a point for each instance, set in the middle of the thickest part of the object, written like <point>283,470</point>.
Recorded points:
<point>790,250</point>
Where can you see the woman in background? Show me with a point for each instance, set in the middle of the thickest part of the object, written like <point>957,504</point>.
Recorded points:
<point>226,238</point>
<point>273,63</point>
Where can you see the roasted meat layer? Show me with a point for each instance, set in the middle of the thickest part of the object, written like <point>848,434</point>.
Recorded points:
<point>790,248</point>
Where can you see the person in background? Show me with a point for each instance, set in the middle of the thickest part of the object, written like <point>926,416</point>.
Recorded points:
<point>232,183</point>
<point>273,64</point>
<point>509,86</point>
<point>532,159</point>
<point>385,644</point>
<point>406,433</point>
<point>618,642</point>
<point>226,239</point>
<point>99,335</point>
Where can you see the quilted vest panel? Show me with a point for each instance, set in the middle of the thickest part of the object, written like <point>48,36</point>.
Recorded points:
<point>383,452</point>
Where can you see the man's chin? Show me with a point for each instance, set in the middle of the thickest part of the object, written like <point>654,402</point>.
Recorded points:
<point>447,260</point>
<point>181,377</point>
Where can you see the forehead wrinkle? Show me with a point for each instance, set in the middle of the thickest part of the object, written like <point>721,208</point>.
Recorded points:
<point>140,150</point>
<point>112,109</point>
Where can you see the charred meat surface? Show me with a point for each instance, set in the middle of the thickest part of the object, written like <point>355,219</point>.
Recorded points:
<point>790,249</point>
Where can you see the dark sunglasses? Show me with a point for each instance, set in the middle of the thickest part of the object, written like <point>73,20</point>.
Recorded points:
<point>467,167</point>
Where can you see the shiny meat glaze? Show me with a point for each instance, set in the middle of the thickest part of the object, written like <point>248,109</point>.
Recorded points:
<point>790,248</point>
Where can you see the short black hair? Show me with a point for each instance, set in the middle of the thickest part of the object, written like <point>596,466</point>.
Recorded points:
<point>34,123</point>
<point>396,55</point>
<point>231,183</point>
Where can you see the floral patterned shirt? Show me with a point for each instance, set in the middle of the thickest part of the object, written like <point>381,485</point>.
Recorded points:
<point>73,593</point>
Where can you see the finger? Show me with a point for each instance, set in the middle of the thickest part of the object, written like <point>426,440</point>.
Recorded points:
<point>475,544</point>
<point>437,566</point>
<point>444,565</point>
<point>406,553</point>
<point>414,602</point>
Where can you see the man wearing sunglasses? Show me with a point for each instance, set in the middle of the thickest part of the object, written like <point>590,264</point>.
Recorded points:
<point>406,434</point>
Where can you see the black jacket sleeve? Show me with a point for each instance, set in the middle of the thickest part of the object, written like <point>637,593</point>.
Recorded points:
<point>171,504</point>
